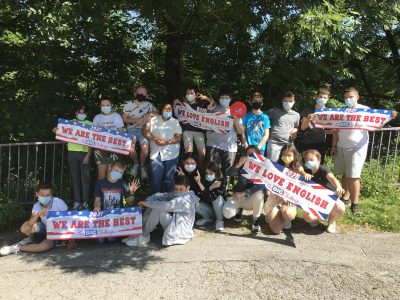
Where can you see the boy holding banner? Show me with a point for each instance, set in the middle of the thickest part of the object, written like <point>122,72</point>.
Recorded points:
<point>36,241</point>
<point>175,212</point>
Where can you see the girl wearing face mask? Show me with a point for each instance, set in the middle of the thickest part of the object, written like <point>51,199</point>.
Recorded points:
<point>284,124</point>
<point>212,196</point>
<point>109,120</point>
<point>109,192</point>
<point>189,167</point>
<point>78,160</point>
<point>312,137</point>
<point>164,133</point>
<point>278,212</point>
<point>323,176</point>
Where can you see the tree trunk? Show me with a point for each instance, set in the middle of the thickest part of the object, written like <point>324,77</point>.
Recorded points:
<point>173,63</point>
<point>395,51</point>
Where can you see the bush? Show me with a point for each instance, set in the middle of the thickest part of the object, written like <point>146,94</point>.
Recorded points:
<point>11,214</point>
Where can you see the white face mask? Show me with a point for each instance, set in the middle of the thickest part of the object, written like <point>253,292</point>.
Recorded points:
<point>190,168</point>
<point>190,97</point>
<point>350,102</point>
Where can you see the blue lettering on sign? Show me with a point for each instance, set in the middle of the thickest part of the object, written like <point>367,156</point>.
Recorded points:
<point>344,124</point>
<point>89,142</point>
<point>278,190</point>
<point>90,232</point>
<point>94,128</point>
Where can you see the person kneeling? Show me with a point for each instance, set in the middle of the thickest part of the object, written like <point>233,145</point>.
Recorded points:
<point>36,241</point>
<point>247,195</point>
<point>174,211</point>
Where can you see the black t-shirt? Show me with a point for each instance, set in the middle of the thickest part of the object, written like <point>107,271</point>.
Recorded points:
<point>111,193</point>
<point>200,105</point>
<point>320,177</point>
<point>311,135</point>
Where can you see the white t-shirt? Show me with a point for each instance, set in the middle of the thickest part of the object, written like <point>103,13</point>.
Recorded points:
<point>138,111</point>
<point>57,204</point>
<point>165,130</point>
<point>113,121</point>
<point>353,138</point>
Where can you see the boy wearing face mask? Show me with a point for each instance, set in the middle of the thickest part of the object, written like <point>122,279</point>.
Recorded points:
<point>256,125</point>
<point>323,176</point>
<point>36,241</point>
<point>136,113</point>
<point>222,148</point>
<point>109,192</point>
<point>284,124</point>
<point>190,134</point>
<point>312,137</point>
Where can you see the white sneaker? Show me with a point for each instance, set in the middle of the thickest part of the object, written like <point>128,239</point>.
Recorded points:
<point>287,225</point>
<point>331,227</point>
<point>143,240</point>
<point>135,170</point>
<point>76,206</point>
<point>219,226</point>
<point>144,174</point>
<point>25,241</point>
<point>124,240</point>
<point>132,241</point>
<point>6,250</point>
<point>203,222</point>
<point>314,223</point>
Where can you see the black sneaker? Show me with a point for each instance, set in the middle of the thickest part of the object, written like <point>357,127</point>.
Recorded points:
<point>354,208</point>
<point>239,216</point>
<point>255,227</point>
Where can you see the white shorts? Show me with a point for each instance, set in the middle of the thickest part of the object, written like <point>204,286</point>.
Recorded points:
<point>274,151</point>
<point>350,161</point>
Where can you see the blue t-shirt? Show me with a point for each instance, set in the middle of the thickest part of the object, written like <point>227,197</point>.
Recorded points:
<point>111,193</point>
<point>255,126</point>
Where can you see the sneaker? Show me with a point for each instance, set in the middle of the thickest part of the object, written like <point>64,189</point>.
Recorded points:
<point>219,226</point>
<point>135,170</point>
<point>331,227</point>
<point>314,223</point>
<point>143,173</point>
<point>287,225</point>
<point>354,208</point>
<point>76,206</point>
<point>124,240</point>
<point>239,216</point>
<point>203,222</point>
<point>255,227</point>
<point>143,240</point>
<point>85,205</point>
<point>25,241</point>
<point>6,250</point>
<point>132,241</point>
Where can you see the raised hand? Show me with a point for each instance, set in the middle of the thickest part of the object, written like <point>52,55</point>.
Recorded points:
<point>134,185</point>
<point>180,172</point>
<point>197,177</point>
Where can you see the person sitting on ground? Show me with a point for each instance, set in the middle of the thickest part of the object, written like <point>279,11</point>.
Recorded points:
<point>324,176</point>
<point>279,212</point>
<point>247,195</point>
<point>174,211</point>
<point>36,241</point>
<point>110,191</point>
<point>212,196</point>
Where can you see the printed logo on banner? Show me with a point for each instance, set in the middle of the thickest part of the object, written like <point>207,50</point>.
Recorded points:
<point>218,122</point>
<point>62,225</point>
<point>351,118</point>
<point>94,136</point>
<point>307,195</point>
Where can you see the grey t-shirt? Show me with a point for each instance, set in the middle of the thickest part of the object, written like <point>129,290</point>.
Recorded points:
<point>312,135</point>
<point>282,123</point>
<point>226,142</point>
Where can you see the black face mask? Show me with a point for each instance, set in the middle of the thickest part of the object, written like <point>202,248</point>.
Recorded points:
<point>141,97</point>
<point>257,104</point>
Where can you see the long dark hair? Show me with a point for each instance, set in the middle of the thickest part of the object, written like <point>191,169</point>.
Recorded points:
<point>297,162</point>
<point>212,166</point>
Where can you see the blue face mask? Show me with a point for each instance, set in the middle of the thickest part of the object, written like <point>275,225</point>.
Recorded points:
<point>224,102</point>
<point>81,117</point>
<point>321,101</point>
<point>350,102</point>
<point>288,105</point>
<point>311,165</point>
<point>167,114</point>
<point>106,109</point>
<point>210,178</point>
<point>115,175</point>
<point>45,200</point>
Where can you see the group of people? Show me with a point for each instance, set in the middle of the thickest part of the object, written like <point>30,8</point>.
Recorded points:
<point>197,183</point>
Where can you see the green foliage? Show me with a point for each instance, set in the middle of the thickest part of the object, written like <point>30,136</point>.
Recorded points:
<point>11,214</point>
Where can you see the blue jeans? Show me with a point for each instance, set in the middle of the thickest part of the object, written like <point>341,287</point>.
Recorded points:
<point>162,172</point>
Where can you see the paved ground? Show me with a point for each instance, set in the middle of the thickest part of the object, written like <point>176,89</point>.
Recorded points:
<point>302,264</point>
